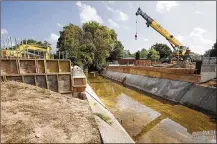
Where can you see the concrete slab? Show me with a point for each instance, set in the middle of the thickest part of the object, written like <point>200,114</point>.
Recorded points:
<point>111,132</point>
<point>208,72</point>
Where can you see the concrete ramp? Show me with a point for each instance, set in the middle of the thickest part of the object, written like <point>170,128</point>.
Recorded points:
<point>111,131</point>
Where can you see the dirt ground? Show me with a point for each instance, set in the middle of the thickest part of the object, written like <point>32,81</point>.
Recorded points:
<point>210,83</point>
<point>34,115</point>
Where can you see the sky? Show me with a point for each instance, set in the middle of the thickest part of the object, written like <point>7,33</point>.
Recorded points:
<point>193,23</point>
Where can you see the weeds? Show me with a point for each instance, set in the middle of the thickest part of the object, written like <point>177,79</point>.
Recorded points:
<point>103,117</point>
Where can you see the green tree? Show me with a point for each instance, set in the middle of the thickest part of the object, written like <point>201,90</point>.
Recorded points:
<point>212,52</point>
<point>117,53</point>
<point>143,53</point>
<point>196,56</point>
<point>153,54</point>
<point>29,41</point>
<point>69,39</point>
<point>163,49</point>
<point>127,53</point>
<point>90,45</point>
<point>104,40</point>
<point>137,55</point>
<point>46,43</point>
<point>39,43</point>
<point>34,42</point>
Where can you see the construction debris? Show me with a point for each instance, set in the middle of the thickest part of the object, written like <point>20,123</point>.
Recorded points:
<point>35,115</point>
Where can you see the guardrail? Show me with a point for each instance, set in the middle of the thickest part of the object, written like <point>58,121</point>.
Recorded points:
<point>209,60</point>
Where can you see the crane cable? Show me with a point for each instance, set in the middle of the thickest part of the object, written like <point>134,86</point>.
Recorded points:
<point>136,29</point>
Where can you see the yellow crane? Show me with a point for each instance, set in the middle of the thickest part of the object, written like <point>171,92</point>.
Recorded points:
<point>180,52</point>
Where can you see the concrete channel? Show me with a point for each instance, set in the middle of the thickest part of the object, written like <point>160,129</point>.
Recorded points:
<point>148,118</point>
<point>186,93</point>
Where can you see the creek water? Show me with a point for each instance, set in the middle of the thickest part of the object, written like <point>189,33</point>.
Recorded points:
<point>148,119</point>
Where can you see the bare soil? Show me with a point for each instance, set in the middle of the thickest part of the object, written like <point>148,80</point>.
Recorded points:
<point>210,83</point>
<point>182,65</point>
<point>34,115</point>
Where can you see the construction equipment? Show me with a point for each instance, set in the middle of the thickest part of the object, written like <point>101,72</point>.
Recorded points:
<point>27,50</point>
<point>13,48</point>
<point>180,53</point>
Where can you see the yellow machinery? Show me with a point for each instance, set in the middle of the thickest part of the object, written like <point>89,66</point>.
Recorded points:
<point>27,50</point>
<point>180,52</point>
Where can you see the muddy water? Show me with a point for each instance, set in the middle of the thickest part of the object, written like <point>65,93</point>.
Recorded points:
<point>150,120</point>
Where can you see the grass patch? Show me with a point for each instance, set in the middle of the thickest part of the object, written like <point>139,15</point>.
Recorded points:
<point>103,117</point>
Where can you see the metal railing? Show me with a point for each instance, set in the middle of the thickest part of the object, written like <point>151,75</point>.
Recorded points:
<point>209,60</point>
<point>10,48</point>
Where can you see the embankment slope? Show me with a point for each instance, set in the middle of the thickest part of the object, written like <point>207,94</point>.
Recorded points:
<point>35,115</point>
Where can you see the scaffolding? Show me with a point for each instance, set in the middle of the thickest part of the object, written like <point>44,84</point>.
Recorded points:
<point>12,47</point>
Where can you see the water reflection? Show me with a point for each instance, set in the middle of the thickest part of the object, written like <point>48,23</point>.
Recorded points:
<point>149,120</point>
<point>168,131</point>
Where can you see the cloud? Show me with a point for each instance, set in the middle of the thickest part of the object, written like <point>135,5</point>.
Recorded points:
<point>145,39</point>
<point>59,25</point>
<point>123,16</point>
<point>113,24</point>
<point>4,31</point>
<point>54,37</point>
<point>111,9</point>
<point>53,41</point>
<point>163,6</point>
<point>88,13</point>
<point>111,2</point>
<point>180,38</point>
<point>78,3</point>
<point>198,12</point>
<point>197,42</point>
<point>197,32</point>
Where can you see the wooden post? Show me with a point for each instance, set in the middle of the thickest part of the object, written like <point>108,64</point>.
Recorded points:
<point>58,87</point>
<point>36,84</point>
<point>47,85</point>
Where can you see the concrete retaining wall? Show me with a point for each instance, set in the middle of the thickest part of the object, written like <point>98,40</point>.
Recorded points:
<point>208,72</point>
<point>185,93</point>
<point>179,74</point>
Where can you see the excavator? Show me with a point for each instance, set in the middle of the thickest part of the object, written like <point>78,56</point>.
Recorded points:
<point>180,53</point>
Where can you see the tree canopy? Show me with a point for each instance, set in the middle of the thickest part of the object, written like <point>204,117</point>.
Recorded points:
<point>163,49</point>
<point>138,55</point>
<point>153,54</point>
<point>92,44</point>
<point>212,52</point>
<point>196,56</point>
<point>127,53</point>
<point>117,53</point>
<point>39,43</point>
<point>143,53</point>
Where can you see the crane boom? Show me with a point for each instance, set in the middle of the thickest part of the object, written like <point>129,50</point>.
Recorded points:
<point>150,22</point>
